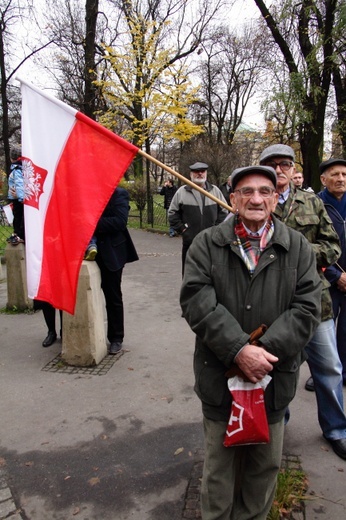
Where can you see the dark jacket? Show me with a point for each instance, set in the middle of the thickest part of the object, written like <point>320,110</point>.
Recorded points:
<point>333,272</point>
<point>226,191</point>
<point>306,213</point>
<point>114,243</point>
<point>223,304</point>
<point>185,215</point>
<point>168,193</point>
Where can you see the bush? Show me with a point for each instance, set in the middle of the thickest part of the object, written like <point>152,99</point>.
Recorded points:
<point>138,193</point>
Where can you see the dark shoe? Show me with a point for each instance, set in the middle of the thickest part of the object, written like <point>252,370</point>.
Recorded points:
<point>14,240</point>
<point>49,340</point>
<point>309,385</point>
<point>115,347</point>
<point>339,447</point>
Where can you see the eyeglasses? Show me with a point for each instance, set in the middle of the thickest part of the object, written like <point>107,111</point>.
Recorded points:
<point>198,171</point>
<point>247,192</point>
<point>284,165</point>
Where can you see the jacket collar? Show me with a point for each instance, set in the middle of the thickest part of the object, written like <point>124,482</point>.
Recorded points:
<point>299,195</point>
<point>223,234</point>
<point>208,187</point>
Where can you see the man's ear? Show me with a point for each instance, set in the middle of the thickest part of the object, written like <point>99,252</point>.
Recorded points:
<point>276,199</point>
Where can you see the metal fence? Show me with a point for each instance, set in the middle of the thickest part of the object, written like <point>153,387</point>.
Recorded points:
<point>5,228</point>
<point>153,216</point>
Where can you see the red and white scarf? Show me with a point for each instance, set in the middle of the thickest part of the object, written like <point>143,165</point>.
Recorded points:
<point>249,255</point>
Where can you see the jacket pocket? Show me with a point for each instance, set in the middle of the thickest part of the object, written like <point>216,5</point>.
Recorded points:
<point>307,225</point>
<point>210,380</point>
<point>284,385</point>
<point>307,220</point>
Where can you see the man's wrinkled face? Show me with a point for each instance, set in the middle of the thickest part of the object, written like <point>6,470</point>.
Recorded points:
<point>254,198</point>
<point>297,179</point>
<point>334,179</point>
<point>284,168</point>
<point>198,176</point>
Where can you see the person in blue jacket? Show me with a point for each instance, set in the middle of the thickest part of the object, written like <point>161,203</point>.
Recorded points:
<point>16,197</point>
<point>333,177</point>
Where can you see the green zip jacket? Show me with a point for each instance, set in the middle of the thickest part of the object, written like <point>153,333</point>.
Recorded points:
<point>223,304</point>
<point>305,212</point>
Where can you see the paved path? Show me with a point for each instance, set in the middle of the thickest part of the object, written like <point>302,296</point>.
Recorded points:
<point>126,444</point>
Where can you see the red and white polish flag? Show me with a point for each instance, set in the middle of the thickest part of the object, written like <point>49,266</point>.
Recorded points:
<point>71,167</point>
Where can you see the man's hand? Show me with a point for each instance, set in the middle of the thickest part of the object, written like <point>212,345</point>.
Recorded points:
<point>255,362</point>
<point>341,283</point>
<point>13,192</point>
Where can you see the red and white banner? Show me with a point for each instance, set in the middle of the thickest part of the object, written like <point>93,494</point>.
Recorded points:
<point>71,167</point>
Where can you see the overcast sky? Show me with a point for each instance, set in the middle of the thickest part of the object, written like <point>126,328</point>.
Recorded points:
<point>243,11</point>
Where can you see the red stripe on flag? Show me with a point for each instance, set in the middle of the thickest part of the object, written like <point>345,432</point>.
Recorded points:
<point>107,133</point>
<point>91,166</point>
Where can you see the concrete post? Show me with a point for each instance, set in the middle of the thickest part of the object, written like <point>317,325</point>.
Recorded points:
<point>84,336</point>
<point>17,293</point>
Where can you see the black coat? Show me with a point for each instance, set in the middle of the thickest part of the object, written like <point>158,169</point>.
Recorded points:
<point>114,243</point>
<point>226,191</point>
<point>168,193</point>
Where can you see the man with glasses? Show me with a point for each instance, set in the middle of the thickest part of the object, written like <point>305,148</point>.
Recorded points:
<point>305,212</point>
<point>248,271</point>
<point>190,211</point>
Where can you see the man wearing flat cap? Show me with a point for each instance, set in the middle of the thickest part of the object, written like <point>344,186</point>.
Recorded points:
<point>190,211</point>
<point>306,213</point>
<point>333,178</point>
<point>249,271</point>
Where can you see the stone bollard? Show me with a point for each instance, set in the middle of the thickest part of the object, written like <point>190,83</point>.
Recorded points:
<point>84,336</point>
<point>17,293</point>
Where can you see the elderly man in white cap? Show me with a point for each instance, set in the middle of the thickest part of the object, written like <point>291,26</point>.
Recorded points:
<point>306,213</point>
<point>190,211</point>
<point>248,271</point>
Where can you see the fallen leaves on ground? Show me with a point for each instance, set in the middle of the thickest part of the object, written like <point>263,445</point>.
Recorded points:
<point>93,481</point>
<point>178,451</point>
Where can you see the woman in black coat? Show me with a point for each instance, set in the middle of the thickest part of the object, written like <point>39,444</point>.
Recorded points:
<point>114,249</point>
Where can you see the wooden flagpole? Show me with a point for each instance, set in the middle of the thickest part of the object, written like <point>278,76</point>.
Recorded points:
<point>185,180</point>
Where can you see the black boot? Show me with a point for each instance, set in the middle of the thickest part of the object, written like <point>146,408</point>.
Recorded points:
<point>50,339</point>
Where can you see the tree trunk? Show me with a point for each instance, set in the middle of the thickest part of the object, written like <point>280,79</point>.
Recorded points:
<point>138,166</point>
<point>311,140</point>
<point>91,12</point>
<point>4,103</point>
<point>340,95</point>
<point>318,76</point>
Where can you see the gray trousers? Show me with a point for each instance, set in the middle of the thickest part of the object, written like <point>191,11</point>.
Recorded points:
<point>239,482</point>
